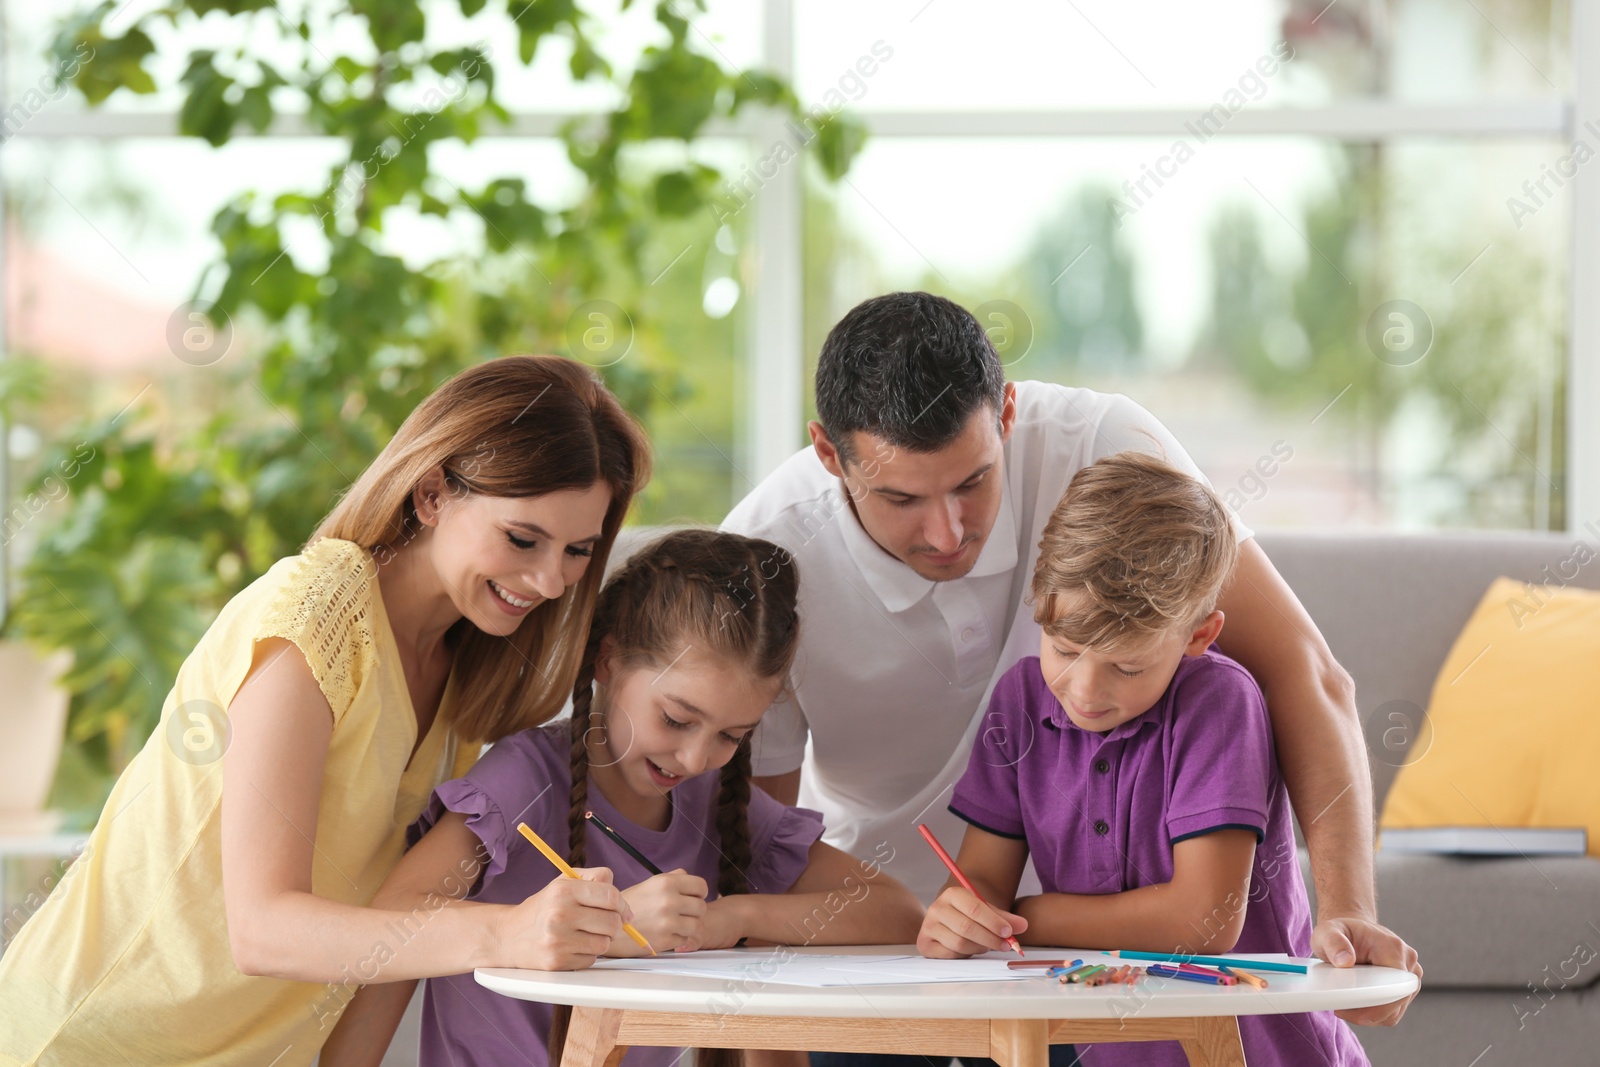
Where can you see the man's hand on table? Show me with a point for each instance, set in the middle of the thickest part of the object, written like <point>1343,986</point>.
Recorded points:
<point>1347,942</point>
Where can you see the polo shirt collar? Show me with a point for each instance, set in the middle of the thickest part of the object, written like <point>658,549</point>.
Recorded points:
<point>895,584</point>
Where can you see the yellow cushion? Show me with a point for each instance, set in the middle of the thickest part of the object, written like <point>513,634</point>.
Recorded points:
<point>1515,719</point>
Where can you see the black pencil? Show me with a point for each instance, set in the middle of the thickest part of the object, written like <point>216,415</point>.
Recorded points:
<point>622,842</point>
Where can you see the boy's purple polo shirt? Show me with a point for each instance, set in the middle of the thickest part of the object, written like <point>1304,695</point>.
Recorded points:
<point>1101,811</point>
<point>527,778</point>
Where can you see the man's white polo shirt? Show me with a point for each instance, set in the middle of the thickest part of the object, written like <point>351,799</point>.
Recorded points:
<point>894,671</point>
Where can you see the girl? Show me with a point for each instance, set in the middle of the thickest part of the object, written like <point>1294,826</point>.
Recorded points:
<point>220,912</point>
<point>691,642</point>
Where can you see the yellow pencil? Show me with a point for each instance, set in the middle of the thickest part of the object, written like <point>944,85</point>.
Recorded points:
<point>561,865</point>
<point>1245,976</point>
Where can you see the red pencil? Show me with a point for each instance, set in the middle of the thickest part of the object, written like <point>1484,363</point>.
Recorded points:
<point>948,862</point>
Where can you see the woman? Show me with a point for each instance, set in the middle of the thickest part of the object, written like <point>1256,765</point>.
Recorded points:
<point>219,913</point>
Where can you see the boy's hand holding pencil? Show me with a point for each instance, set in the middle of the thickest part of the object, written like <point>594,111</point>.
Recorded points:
<point>960,924</point>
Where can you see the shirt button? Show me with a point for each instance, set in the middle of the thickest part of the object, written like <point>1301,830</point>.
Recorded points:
<point>966,635</point>
<point>1101,827</point>
<point>1102,766</point>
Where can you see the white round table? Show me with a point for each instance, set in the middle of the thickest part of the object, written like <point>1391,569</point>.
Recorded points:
<point>1014,1022</point>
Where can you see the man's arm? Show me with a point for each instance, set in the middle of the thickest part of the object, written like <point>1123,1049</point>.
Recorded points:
<point>1311,700</point>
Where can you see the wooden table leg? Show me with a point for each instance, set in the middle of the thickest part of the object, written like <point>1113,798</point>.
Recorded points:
<point>1215,1042</point>
<point>1020,1042</point>
<point>592,1038</point>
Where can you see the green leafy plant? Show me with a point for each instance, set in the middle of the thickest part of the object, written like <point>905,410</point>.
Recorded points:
<point>164,523</point>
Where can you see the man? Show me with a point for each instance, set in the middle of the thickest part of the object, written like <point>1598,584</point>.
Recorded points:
<point>915,519</point>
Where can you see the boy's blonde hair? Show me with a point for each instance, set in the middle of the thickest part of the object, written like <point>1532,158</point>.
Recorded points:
<point>1136,548</point>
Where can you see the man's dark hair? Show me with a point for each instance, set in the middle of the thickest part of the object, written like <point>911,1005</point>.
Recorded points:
<point>910,368</point>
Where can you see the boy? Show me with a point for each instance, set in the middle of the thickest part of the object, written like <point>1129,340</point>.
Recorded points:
<point>1135,763</point>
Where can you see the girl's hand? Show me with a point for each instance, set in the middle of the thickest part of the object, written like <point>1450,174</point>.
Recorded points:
<point>667,910</point>
<point>960,925</point>
<point>566,925</point>
<point>723,924</point>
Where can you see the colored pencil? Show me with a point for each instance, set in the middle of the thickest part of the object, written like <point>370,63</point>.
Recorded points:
<point>1086,974</point>
<point>1190,976</point>
<point>1245,977</point>
<point>622,842</point>
<point>561,865</point>
<point>950,863</point>
<point>1215,961</point>
<point>1195,968</point>
<point>1067,976</point>
<point>1048,965</point>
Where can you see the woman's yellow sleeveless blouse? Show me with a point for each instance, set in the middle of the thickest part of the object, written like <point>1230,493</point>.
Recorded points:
<point>128,961</point>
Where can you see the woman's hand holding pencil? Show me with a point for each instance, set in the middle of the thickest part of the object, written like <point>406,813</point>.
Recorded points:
<point>565,926</point>
<point>572,874</point>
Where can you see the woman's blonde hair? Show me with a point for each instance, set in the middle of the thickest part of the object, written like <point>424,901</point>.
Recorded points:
<point>1135,548</point>
<point>517,426</point>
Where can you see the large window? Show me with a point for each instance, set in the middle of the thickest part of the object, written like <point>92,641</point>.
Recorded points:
<point>1331,246</point>
<point>1336,242</point>
<point>1249,301</point>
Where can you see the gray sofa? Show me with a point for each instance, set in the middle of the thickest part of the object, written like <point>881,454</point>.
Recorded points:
<point>1496,936</point>
<point>1489,931</point>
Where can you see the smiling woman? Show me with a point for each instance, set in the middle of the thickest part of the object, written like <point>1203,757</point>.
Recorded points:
<point>222,911</point>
